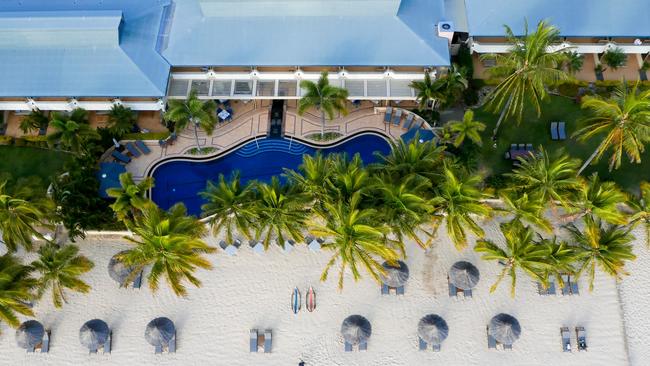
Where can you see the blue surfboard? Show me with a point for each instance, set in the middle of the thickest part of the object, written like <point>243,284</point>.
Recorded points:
<point>296,301</point>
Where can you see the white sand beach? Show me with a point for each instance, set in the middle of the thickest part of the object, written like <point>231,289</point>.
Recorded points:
<point>253,291</point>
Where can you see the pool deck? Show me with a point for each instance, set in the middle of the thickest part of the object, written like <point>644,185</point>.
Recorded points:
<point>251,120</point>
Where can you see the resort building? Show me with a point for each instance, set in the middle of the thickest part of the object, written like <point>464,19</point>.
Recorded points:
<point>590,28</point>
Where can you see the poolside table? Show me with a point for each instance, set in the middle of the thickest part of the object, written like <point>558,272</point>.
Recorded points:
<point>223,115</point>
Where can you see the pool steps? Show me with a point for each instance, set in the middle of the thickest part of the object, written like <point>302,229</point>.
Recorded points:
<point>265,145</point>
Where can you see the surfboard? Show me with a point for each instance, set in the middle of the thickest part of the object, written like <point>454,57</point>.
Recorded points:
<point>311,299</point>
<point>296,300</point>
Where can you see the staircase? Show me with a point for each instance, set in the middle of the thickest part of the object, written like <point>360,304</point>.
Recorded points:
<point>272,145</point>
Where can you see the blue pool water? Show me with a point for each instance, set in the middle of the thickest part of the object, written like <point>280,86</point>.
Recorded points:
<point>181,181</point>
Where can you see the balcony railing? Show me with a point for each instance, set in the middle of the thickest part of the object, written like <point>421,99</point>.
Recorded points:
<point>568,46</point>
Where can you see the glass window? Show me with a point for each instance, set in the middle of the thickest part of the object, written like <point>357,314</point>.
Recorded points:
<point>202,87</point>
<point>287,88</point>
<point>221,88</point>
<point>178,88</point>
<point>377,88</point>
<point>243,87</point>
<point>355,88</point>
<point>266,88</point>
<point>400,88</point>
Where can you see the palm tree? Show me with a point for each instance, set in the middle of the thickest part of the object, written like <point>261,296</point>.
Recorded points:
<point>451,85</point>
<point>599,199</point>
<point>327,98</point>
<point>467,128</point>
<point>458,199</point>
<point>624,119</point>
<point>33,121</point>
<point>348,177</point>
<point>427,90</point>
<point>281,212</point>
<point>641,207</point>
<point>413,158</point>
<point>72,131</point>
<point>521,253</point>
<point>356,239</point>
<point>59,269</point>
<point>130,197</point>
<point>19,218</point>
<point>445,135</point>
<point>526,209</point>
<point>560,256</point>
<point>229,206</point>
<point>16,286</point>
<point>614,58</point>
<point>606,246</point>
<point>403,207</point>
<point>192,111</point>
<point>547,178</point>
<point>313,176</point>
<point>169,242</point>
<point>524,72</point>
<point>121,120</point>
<point>573,62</point>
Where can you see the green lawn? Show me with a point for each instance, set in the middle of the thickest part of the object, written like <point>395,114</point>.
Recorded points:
<point>536,131</point>
<point>23,162</point>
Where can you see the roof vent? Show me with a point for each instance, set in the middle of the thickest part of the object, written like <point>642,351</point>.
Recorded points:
<point>446,30</point>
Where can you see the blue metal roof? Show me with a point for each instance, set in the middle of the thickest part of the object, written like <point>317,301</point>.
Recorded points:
<point>590,18</point>
<point>81,48</point>
<point>351,32</point>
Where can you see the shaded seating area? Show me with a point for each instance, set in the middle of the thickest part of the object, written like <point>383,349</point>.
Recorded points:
<point>32,336</point>
<point>432,331</point>
<point>356,331</point>
<point>463,277</point>
<point>161,333</point>
<point>261,341</point>
<point>96,336</point>
<point>394,278</point>
<point>123,274</point>
<point>503,331</point>
<point>570,285</point>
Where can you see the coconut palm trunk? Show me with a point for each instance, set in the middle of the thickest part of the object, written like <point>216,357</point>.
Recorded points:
<point>501,117</point>
<point>322,124</point>
<point>196,134</point>
<point>592,157</point>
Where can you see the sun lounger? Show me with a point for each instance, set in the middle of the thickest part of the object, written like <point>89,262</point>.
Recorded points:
<point>397,117</point>
<point>507,346</point>
<point>363,346</point>
<point>546,291</point>
<point>137,282</point>
<point>416,124</point>
<point>135,152</point>
<point>107,345</point>
<point>529,147</point>
<point>423,344</point>
<point>574,288</point>
<point>513,147</point>
<point>171,347</point>
<point>452,290</point>
<point>348,347</point>
<point>581,335</point>
<point>566,339</point>
<point>267,341</point>
<point>409,120</point>
<point>492,343</point>
<point>253,345</point>
<point>399,290</point>
<point>158,349</point>
<point>436,348</point>
<point>554,135</point>
<point>384,289</point>
<point>389,111</point>
<point>141,145</point>
<point>566,289</point>
<point>467,293</point>
<point>561,126</point>
<point>121,157</point>
<point>522,147</point>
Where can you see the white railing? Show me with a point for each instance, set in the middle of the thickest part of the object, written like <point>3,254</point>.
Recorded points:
<point>31,104</point>
<point>479,47</point>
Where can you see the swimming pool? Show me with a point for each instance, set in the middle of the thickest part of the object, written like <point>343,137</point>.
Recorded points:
<point>182,180</point>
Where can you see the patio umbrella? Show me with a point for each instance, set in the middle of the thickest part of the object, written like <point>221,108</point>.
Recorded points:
<point>395,276</point>
<point>356,329</point>
<point>93,334</point>
<point>464,275</point>
<point>160,331</point>
<point>433,329</point>
<point>30,334</point>
<point>118,270</point>
<point>505,328</point>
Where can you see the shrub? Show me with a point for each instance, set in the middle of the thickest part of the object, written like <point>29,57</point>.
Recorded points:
<point>6,140</point>
<point>328,136</point>
<point>203,151</point>
<point>19,141</point>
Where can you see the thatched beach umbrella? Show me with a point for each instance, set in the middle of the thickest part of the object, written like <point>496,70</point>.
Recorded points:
<point>464,275</point>
<point>433,329</point>
<point>30,334</point>
<point>395,276</point>
<point>160,331</point>
<point>118,270</point>
<point>356,329</point>
<point>505,328</point>
<point>93,334</point>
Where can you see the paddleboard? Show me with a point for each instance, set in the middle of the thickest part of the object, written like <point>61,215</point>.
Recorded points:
<point>311,299</point>
<point>296,301</point>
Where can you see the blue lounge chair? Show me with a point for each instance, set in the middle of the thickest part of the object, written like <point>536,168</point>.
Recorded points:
<point>423,344</point>
<point>409,121</point>
<point>453,290</point>
<point>348,347</point>
<point>529,147</point>
<point>554,135</point>
<point>581,335</point>
<point>389,111</point>
<point>492,343</point>
<point>551,288</point>
<point>137,282</point>
<point>135,152</point>
<point>436,348</point>
<point>561,130</point>
<point>399,290</point>
<point>384,289</point>
<point>507,346</point>
<point>158,349</point>
<point>171,347</point>
<point>142,147</point>
<point>566,339</point>
<point>121,157</point>
<point>574,288</point>
<point>107,346</point>
<point>267,341</point>
<point>253,345</point>
<point>45,346</point>
<point>417,124</point>
<point>397,117</point>
<point>566,289</point>
<point>467,293</point>
<point>363,346</point>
